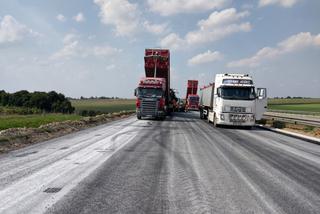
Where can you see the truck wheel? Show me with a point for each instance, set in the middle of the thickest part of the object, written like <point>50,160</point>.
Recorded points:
<point>138,117</point>
<point>201,114</point>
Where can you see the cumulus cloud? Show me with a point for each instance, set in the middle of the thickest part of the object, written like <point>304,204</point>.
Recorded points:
<point>121,14</point>
<point>70,48</point>
<point>11,30</point>
<point>61,18</point>
<point>217,26</point>
<point>79,17</point>
<point>283,3</point>
<point>291,44</point>
<point>205,57</point>
<point>73,48</point>
<point>155,28</point>
<point>172,41</point>
<point>171,7</point>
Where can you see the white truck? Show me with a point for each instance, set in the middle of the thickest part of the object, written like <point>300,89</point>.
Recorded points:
<point>232,100</point>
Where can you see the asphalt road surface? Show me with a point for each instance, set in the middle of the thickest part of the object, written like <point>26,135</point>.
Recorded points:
<point>180,165</point>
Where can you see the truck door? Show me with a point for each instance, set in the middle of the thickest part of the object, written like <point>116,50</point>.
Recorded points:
<point>261,102</point>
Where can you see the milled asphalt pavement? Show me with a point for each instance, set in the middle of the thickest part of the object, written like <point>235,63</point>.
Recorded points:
<point>180,165</point>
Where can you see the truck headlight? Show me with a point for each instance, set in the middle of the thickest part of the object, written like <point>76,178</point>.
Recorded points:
<point>221,116</point>
<point>226,108</point>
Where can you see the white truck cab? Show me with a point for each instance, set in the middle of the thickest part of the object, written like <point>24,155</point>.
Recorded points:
<point>233,100</point>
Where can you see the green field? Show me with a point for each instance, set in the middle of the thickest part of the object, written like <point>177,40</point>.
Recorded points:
<point>104,105</point>
<point>301,106</point>
<point>34,120</point>
<point>10,117</point>
<point>272,101</point>
<point>297,107</point>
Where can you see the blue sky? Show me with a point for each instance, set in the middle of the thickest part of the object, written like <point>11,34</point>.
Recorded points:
<point>96,47</point>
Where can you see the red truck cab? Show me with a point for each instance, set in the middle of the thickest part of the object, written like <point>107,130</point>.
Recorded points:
<point>151,98</point>
<point>192,99</point>
<point>192,102</point>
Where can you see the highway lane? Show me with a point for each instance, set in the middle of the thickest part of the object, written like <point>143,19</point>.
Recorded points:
<point>180,165</point>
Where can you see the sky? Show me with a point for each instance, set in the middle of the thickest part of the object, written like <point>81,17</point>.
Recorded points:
<point>96,47</point>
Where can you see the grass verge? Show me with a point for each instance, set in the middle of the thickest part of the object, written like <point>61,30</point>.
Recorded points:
<point>14,138</point>
<point>34,120</point>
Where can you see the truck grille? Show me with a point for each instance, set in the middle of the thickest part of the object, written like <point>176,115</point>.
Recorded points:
<point>238,117</point>
<point>237,109</point>
<point>149,107</point>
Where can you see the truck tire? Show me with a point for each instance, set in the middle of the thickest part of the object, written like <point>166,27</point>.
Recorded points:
<point>138,117</point>
<point>201,114</point>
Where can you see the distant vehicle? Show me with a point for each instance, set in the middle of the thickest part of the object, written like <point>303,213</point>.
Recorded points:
<point>232,100</point>
<point>181,105</point>
<point>192,99</point>
<point>154,96</point>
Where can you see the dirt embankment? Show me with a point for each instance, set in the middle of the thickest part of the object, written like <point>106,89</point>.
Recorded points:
<point>15,138</point>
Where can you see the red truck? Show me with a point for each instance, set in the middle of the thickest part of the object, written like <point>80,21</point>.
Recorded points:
<point>192,99</point>
<point>154,97</point>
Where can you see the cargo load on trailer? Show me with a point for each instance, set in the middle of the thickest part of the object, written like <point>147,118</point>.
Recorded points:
<point>232,100</point>
<point>192,98</point>
<point>154,96</point>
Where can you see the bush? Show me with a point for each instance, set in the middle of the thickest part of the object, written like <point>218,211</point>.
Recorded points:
<point>91,113</point>
<point>279,124</point>
<point>47,102</point>
<point>309,128</point>
<point>83,113</point>
<point>262,121</point>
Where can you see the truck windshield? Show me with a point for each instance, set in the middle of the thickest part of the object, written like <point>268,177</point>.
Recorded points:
<point>150,92</point>
<point>238,93</point>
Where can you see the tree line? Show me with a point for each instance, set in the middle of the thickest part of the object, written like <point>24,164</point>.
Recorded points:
<point>51,102</point>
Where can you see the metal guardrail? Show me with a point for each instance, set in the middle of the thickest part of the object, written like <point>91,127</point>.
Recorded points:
<point>294,118</point>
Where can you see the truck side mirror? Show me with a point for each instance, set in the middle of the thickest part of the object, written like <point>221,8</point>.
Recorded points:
<point>135,92</point>
<point>261,93</point>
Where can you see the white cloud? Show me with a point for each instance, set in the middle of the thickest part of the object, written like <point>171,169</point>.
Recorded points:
<point>217,26</point>
<point>172,41</point>
<point>122,14</point>
<point>105,51</point>
<point>291,44</point>
<point>110,67</point>
<point>69,38</point>
<point>171,7</point>
<point>61,18</point>
<point>11,30</point>
<point>205,57</point>
<point>217,19</point>
<point>155,28</point>
<point>73,48</point>
<point>283,3</point>
<point>79,17</point>
<point>70,48</point>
